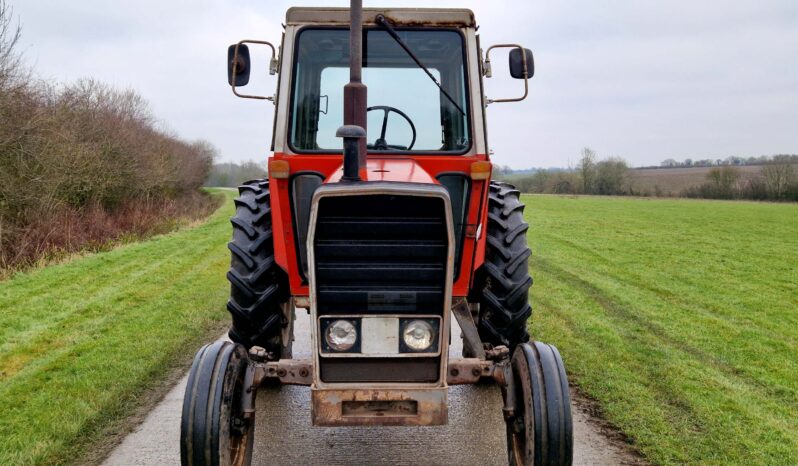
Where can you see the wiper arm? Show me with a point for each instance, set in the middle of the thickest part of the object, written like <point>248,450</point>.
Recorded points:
<point>382,21</point>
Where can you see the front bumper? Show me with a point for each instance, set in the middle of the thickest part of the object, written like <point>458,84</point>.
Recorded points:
<point>382,407</point>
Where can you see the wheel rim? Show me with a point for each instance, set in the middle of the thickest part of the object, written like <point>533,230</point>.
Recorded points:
<point>235,436</point>
<point>517,441</point>
<point>520,451</point>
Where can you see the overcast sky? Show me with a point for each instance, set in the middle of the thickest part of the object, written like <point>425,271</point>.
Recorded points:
<point>643,80</point>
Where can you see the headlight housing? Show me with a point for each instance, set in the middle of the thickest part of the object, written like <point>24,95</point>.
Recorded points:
<point>418,335</point>
<point>341,335</point>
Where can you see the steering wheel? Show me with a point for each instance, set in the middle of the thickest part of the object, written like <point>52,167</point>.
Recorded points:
<point>381,143</point>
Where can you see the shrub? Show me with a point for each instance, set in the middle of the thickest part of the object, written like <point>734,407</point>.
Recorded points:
<point>611,175</point>
<point>68,150</point>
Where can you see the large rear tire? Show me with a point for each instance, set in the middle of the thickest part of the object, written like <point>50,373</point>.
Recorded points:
<point>258,286</point>
<point>541,433</point>
<point>503,281</point>
<point>213,429</point>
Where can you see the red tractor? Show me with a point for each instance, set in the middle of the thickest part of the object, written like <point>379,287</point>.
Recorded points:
<point>383,235</point>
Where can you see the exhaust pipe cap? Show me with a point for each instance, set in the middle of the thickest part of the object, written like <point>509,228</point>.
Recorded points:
<point>350,131</point>
<point>352,135</point>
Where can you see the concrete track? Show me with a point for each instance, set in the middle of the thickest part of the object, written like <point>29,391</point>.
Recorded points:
<point>284,435</point>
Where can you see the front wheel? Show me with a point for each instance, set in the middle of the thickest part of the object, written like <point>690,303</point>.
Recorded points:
<point>214,430</point>
<point>541,431</point>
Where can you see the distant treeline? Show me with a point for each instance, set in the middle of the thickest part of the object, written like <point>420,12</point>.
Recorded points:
<point>732,160</point>
<point>775,180</point>
<point>232,174</point>
<point>592,176</point>
<point>83,163</point>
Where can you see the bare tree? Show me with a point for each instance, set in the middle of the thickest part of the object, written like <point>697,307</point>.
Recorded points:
<point>587,170</point>
<point>10,33</point>
<point>779,175</point>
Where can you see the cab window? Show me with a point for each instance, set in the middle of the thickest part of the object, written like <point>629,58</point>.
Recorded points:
<point>407,111</point>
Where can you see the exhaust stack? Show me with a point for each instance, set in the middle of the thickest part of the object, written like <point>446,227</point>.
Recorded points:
<point>354,100</point>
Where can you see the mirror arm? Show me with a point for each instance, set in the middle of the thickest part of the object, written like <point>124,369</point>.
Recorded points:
<point>526,73</point>
<point>273,64</point>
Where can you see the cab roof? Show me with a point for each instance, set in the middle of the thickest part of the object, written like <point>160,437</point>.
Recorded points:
<point>457,17</point>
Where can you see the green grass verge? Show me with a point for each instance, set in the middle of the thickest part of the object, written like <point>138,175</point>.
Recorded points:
<point>679,317</point>
<point>81,341</point>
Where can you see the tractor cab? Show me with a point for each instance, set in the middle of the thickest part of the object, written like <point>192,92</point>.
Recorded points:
<point>379,216</point>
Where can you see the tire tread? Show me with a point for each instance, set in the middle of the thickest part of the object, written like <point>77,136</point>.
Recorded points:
<point>258,286</point>
<point>502,283</point>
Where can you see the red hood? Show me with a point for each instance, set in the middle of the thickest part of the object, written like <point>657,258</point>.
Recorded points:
<point>393,169</point>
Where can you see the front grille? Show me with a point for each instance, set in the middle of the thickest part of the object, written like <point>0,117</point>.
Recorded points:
<point>380,254</point>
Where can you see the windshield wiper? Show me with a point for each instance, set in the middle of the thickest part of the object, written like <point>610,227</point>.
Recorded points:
<point>382,21</point>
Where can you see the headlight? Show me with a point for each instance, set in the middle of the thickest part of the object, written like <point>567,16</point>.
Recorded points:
<point>341,335</point>
<point>418,335</point>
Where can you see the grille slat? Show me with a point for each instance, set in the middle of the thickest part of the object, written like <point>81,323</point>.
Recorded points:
<point>379,272</point>
<point>397,228</point>
<point>388,250</point>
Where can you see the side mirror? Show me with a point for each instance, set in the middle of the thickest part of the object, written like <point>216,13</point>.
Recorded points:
<point>518,66</point>
<point>522,66</point>
<point>238,65</point>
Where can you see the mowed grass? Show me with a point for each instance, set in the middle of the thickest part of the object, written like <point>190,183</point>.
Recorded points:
<point>679,317</point>
<point>81,341</point>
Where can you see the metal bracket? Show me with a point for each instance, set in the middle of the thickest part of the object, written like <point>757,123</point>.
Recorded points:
<point>468,370</point>
<point>487,72</point>
<point>507,384</point>
<point>287,332</point>
<point>273,65</point>
<point>462,313</point>
<point>326,104</point>
<point>287,371</point>
<point>247,401</point>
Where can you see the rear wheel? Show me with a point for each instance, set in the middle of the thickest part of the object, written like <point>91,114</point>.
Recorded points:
<point>259,297</point>
<point>541,432</point>
<point>213,430</point>
<point>503,281</point>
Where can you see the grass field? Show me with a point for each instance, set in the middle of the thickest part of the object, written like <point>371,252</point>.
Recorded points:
<point>679,317</point>
<point>80,342</point>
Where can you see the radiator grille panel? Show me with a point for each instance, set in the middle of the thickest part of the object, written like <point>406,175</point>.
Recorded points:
<point>380,254</point>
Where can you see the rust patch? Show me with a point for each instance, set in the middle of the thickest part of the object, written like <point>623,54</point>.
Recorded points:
<point>434,17</point>
<point>379,407</point>
<point>468,370</point>
<point>287,371</point>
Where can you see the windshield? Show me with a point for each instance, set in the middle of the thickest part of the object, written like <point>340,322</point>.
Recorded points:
<point>407,111</point>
